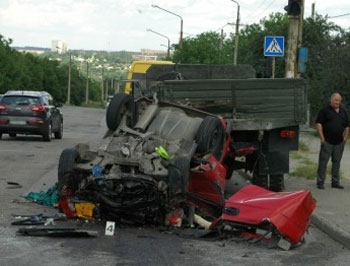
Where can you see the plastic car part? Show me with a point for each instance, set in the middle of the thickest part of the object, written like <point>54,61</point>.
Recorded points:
<point>288,212</point>
<point>56,232</point>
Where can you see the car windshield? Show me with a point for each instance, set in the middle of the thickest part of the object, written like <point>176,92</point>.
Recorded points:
<point>20,100</point>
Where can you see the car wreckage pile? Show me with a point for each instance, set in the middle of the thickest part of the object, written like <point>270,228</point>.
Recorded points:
<point>164,163</point>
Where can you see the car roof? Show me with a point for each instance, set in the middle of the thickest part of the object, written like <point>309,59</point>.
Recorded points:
<point>27,93</point>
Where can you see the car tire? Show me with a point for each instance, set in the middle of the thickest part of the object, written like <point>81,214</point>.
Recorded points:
<point>12,135</point>
<point>66,179</point>
<point>210,137</point>
<point>119,105</point>
<point>47,136</point>
<point>59,133</point>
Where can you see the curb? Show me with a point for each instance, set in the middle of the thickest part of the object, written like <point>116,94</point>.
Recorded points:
<point>332,230</point>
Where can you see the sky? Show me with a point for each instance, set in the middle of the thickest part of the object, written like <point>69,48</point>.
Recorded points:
<point>131,25</point>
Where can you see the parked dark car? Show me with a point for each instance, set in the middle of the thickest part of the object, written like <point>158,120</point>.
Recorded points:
<point>30,113</point>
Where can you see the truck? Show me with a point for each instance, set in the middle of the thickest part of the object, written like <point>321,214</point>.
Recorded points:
<point>264,115</point>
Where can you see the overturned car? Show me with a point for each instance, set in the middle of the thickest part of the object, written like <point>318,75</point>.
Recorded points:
<point>167,164</point>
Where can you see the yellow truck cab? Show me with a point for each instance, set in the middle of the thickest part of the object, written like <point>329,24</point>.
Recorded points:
<point>138,71</point>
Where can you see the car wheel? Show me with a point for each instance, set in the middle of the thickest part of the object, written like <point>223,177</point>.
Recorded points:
<point>66,179</point>
<point>0,135</point>
<point>48,134</point>
<point>12,135</point>
<point>178,176</point>
<point>210,137</point>
<point>120,104</point>
<point>59,133</point>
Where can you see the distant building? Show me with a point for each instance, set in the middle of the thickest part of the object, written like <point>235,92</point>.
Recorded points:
<point>31,50</point>
<point>148,54</point>
<point>153,52</point>
<point>59,46</point>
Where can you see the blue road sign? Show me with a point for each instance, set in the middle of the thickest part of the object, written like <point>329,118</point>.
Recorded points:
<point>274,46</point>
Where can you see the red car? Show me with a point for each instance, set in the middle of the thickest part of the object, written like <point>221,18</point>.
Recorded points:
<point>164,163</point>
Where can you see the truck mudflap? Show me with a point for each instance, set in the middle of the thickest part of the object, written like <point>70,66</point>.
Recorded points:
<point>284,214</point>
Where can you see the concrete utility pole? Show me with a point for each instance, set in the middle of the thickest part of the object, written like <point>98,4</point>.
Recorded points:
<point>235,52</point>
<point>102,84</point>
<point>87,83</point>
<point>292,44</point>
<point>296,16</point>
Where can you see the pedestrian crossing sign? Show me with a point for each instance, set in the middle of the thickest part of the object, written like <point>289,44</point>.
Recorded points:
<point>274,46</point>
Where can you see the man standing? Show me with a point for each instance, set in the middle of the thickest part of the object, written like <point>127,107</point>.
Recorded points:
<point>333,128</point>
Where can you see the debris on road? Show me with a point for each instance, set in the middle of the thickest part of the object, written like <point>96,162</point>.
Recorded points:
<point>46,198</point>
<point>12,185</point>
<point>55,232</point>
<point>37,219</point>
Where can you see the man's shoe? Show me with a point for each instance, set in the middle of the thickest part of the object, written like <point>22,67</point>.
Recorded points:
<point>337,186</point>
<point>320,186</point>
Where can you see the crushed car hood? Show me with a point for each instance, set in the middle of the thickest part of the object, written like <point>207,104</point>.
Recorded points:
<point>289,212</point>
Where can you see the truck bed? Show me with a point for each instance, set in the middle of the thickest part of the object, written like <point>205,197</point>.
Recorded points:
<point>251,104</point>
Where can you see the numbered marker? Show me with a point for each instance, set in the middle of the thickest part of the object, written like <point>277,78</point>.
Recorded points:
<point>110,226</point>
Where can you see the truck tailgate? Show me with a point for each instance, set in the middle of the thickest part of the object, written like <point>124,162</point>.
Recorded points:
<point>249,103</point>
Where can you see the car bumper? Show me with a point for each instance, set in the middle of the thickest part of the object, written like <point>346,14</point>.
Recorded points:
<point>27,128</point>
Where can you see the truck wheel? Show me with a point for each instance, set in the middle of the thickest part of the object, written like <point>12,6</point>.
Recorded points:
<point>65,171</point>
<point>276,182</point>
<point>260,180</point>
<point>210,137</point>
<point>119,105</point>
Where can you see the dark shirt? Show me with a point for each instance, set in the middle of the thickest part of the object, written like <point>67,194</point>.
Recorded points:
<point>333,124</point>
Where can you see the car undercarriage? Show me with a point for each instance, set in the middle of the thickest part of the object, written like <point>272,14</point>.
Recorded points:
<point>165,164</point>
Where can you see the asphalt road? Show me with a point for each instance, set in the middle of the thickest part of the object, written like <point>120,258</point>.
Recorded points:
<point>32,163</point>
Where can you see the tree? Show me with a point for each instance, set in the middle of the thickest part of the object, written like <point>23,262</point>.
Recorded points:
<point>203,49</point>
<point>329,55</point>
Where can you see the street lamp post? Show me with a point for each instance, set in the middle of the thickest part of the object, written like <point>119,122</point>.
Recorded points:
<point>168,51</point>
<point>235,53</point>
<point>181,23</point>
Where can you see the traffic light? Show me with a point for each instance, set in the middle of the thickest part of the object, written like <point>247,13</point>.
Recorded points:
<point>293,8</point>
